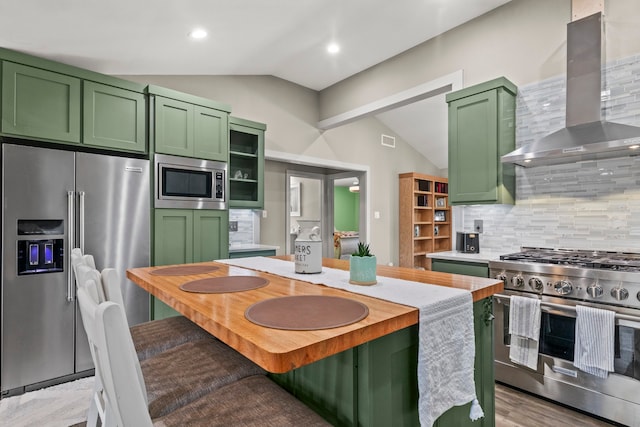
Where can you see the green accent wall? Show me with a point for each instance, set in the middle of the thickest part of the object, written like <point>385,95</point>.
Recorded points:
<point>346,209</point>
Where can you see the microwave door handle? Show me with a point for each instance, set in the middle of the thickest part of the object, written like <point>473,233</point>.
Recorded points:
<point>70,242</point>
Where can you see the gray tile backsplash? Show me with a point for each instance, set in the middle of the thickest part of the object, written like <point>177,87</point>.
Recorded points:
<point>587,205</point>
<point>247,224</point>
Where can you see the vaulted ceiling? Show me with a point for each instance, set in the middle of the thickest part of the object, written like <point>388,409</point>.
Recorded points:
<point>283,38</point>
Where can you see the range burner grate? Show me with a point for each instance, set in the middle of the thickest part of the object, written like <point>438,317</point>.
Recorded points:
<point>602,260</point>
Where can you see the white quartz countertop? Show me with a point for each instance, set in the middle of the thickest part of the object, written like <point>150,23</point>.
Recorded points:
<point>483,257</point>
<point>245,247</point>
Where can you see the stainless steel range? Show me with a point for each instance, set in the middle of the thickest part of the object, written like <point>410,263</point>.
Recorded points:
<point>562,279</point>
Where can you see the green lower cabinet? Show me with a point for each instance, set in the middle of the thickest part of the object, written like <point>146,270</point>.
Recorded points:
<point>376,384</point>
<point>40,104</point>
<point>210,235</point>
<point>327,386</point>
<point>114,118</point>
<point>244,254</point>
<point>184,236</point>
<point>460,267</point>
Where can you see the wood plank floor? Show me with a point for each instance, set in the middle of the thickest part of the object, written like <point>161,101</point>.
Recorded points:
<point>518,409</point>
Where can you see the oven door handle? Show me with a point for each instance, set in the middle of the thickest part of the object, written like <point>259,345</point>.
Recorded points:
<point>500,298</point>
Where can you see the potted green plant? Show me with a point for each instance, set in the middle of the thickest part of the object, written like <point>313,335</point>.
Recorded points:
<point>362,266</point>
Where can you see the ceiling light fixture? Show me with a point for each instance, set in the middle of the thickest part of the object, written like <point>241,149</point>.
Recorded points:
<point>198,34</point>
<point>333,48</point>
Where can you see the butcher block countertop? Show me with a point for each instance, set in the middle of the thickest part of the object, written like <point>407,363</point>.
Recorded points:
<point>280,351</point>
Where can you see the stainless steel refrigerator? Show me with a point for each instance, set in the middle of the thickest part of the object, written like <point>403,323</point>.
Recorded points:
<point>54,200</point>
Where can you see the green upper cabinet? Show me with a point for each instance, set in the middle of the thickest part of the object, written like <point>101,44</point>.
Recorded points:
<point>211,134</point>
<point>52,102</point>
<point>40,104</point>
<point>246,163</point>
<point>174,127</point>
<point>114,118</point>
<point>481,130</point>
<point>190,126</point>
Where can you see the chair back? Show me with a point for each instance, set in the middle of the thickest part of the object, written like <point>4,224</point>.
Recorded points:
<point>77,259</point>
<point>124,392</point>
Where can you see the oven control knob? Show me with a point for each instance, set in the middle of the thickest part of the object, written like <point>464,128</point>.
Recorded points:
<point>517,281</point>
<point>563,287</point>
<point>536,284</point>
<point>595,291</point>
<point>620,293</point>
<point>502,277</point>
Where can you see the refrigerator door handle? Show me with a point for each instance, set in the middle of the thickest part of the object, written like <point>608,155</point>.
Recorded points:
<point>71,242</point>
<point>81,228</point>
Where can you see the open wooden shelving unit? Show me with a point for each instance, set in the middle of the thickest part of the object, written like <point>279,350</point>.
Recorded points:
<point>425,218</point>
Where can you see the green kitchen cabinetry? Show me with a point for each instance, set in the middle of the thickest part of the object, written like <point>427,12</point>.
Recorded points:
<point>190,126</point>
<point>376,383</point>
<point>40,104</point>
<point>246,163</point>
<point>114,118</point>
<point>185,236</point>
<point>481,130</point>
<point>478,269</point>
<point>52,102</point>
<point>250,253</point>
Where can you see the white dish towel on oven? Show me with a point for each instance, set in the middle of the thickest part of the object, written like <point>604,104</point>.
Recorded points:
<point>594,343</point>
<point>524,328</point>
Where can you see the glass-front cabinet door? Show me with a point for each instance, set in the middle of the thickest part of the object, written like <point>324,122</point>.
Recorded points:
<point>246,163</point>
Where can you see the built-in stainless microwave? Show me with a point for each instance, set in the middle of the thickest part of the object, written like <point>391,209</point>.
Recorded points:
<point>187,183</point>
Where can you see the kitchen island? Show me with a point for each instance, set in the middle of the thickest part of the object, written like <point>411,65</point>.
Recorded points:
<point>359,374</point>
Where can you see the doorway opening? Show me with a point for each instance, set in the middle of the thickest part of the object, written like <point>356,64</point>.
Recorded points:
<point>314,192</point>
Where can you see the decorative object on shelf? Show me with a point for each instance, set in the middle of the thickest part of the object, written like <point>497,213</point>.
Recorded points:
<point>436,230</point>
<point>238,174</point>
<point>439,216</point>
<point>294,199</point>
<point>362,266</point>
<point>441,202</point>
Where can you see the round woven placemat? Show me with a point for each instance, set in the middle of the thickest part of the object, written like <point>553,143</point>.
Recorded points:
<point>219,285</point>
<point>184,270</point>
<point>306,312</point>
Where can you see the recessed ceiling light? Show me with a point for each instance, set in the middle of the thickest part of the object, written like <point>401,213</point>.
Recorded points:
<point>333,48</point>
<point>198,33</point>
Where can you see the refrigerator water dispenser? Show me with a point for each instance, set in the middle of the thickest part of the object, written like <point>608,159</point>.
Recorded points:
<point>40,253</point>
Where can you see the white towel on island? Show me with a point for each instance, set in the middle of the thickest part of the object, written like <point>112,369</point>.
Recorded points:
<point>446,353</point>
<point>524,328</point>
<point>594,342</point>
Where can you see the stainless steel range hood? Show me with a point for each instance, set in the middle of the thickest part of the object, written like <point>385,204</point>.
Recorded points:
<point>586,136</point>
